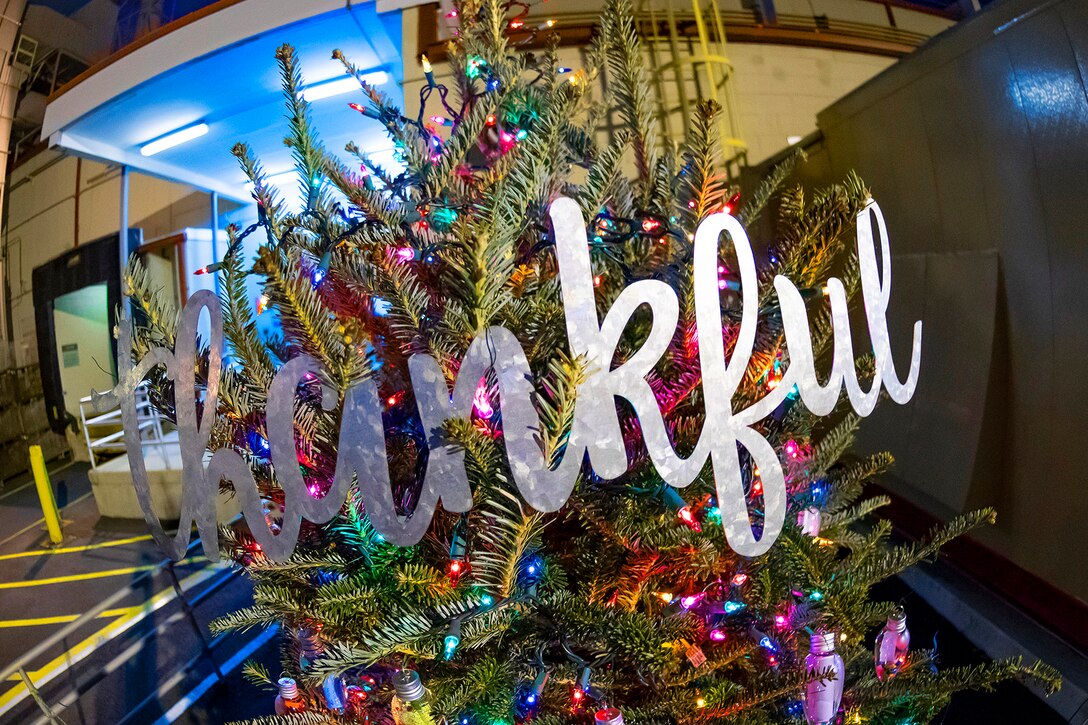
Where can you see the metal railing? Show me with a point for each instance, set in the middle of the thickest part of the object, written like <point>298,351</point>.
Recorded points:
<point>148,422</point>
<point>656,29</point>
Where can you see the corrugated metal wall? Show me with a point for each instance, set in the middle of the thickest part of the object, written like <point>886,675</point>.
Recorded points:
<point>976,148</point>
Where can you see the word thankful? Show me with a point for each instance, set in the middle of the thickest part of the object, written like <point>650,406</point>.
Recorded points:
<point>596,426</point>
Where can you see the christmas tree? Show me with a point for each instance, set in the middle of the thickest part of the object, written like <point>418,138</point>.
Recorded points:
<point>629,596</point>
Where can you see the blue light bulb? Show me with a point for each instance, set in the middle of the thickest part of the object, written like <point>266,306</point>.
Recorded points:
<point>382,306</point>
<point>259,444</point>
<point>449,647</point>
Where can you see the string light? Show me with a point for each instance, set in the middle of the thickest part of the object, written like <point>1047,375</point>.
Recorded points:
<point>739,579</point>
<point>716,635</point>
<point>452,640</point>
<point>381,306</point>
<point>457,569</point>
<point>481,404</point>
<point>428,72</point>
<point>258,443</point>
<point>685,514</point>
<point>322,268</point>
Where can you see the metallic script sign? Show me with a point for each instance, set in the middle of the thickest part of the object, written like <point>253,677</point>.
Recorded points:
<point>596,427</point>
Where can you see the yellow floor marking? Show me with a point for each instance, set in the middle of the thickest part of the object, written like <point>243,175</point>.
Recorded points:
<point>60,619</point>
<point>74,549</point>
<point>63,618</point>
<point>91,575</point>
<point>130,616</point>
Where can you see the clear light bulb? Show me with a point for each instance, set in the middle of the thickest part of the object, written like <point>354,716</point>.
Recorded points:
<point>892,646</point>
<point>822,697</point>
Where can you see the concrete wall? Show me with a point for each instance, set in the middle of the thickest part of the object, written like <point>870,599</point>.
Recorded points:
<point>42,221</point>
<point>780,89</point>
<point>86,34</point>
<point>777,89</point>
<point>976,150</point>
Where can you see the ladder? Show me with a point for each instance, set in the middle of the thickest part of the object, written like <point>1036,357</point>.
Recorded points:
<point>105,434</point>
<point>687,48</point>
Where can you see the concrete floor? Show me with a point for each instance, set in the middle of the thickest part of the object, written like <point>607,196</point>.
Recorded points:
<point>128,664</point>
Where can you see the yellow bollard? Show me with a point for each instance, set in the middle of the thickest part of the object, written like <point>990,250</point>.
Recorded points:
<point>45,494</point>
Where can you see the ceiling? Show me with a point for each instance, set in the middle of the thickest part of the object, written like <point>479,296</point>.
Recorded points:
<point>221,70</point>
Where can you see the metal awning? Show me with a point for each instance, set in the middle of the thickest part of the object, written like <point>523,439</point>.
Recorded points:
<point>214,73</point>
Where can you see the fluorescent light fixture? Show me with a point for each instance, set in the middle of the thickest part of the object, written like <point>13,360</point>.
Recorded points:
<point>284,177</point>
<point>339,86</point>
<point>791,140</point>
<point>174,138</point>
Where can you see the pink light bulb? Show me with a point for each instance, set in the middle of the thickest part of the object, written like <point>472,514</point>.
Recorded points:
<point>480,402</point>
<point>717,635</point>
<point>406,254</point>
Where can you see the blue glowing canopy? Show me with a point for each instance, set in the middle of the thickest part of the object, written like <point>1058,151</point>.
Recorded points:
<point>218,70</point>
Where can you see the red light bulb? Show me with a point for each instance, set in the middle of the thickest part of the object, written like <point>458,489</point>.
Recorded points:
<point>685,514</point>
<point>457,569</point>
